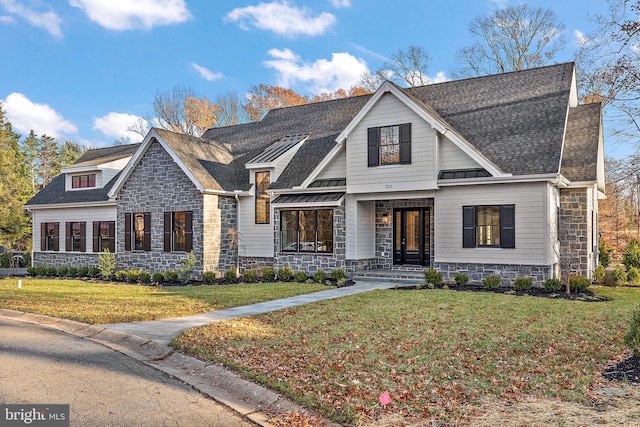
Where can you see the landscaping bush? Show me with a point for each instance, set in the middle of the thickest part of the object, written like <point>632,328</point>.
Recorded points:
<point>249,276</point>
<point>553,285</point>
<point>461,279</point>
<point>523,283</point>
<point>209,277</point>
<point>62,271</point>
<point>106,264</point>
<point>83,271</point>
<point>133,275</point>
<point>604,254</point>
<point>300,276</point>
<point>73,272</point>
<point>171,276</point>
<point>319,276</point>
<point>40,271</point>
<point>491,282</point>
<point>578,283</point>
<point>31,271</point>
<point>121,275</point>
<point>285,274</point>
<point>230,275</point>
<point>5,260</point>
<point>144,276</point>
<point>187,266</point>
<point>158,277</point>
<point>94,271</point>
<point>618,276</point>
<point>51,271</point>
<point>601,274</point>
<point>632,337</point>
<point>338,274</point>
<point>631,256</point>
<point>432,277</point>
<point>268,274</point>
<point>633,275</point>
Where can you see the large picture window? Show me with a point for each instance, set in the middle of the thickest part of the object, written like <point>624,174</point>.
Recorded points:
<point>263,207</point>
<point>306,230</point>
<point>178,231</point>
<point>137,231</point>
<point>389,145</point>
<point>488,226</point>
<point>104,236</point>
<point>49,236</point>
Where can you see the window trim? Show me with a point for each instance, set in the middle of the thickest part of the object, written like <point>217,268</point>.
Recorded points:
<point>129,232</point>
<point>261,196</point>
<point>71,239</point>
<point>470,226</point>
<point>77,181</point>
<point>297,230</point>
<point>169,231</point>
<point>374,146</point>
<point>54,240</point>
<point>97,236</point>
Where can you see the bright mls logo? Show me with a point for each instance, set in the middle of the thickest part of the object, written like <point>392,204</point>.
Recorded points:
<point>34,415</point>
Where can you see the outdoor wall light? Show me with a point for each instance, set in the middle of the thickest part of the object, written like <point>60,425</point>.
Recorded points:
<point>386,219</point>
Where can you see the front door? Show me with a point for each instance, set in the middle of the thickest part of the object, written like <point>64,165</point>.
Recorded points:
<point>411,236</point>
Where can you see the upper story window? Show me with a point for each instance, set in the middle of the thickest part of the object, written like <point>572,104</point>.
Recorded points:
<point>83,181</point>
<point>488,226</point>
<point>263,204</point>
<point>389,145</point>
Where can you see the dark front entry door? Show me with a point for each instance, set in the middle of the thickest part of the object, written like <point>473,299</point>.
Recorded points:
<point>411,236</point>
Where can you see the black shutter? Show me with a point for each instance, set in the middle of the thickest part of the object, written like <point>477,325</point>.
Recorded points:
<point>373,141</point>
<point>96,236</point>
<point>468,226</point>
<point>507,226</point>
<point>112,236</point>
<point>127,231</point>
<point>147,231</point>
<point>83,237</point>
<point>167,231</point>
<point>43,236</point>
<point>405,143</point>
<point>67,237</point>
<point>188,219</point>
<point>56,236</point>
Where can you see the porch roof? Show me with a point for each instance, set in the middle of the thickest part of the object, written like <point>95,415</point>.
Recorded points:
<point>309,199</point>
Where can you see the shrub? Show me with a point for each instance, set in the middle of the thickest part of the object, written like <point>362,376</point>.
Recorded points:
<point>285,274</point>
<point>5,260</point>
<point>51,271</point>
<point>40,270</point>
<point>106,264</point>
<point>133,275</point>
<point>523,283</point>
<point>144,276</point>
<point>553,285</point>
<point>209,277</point>
<point>268,274</point>
<point>338,274</point>
<point>62,271</point>
<point>121,275</point>
<point>83,271</point>
<point>319,276</point>
<point>94,271</point>
<point>604,254</point>
<point>32,271</point>
<point>158,277</point>
<point>249,276</point>
<point>186,267</point>
<point>300,276</point>
<point>631,256</point>
<point>491,282</point>
<point>171,276</point>
<point>461,279</point>
<point>230,275</point>
<point>619,276</point>
<point>578,283</point>
<point>632,337</point>
<point>601,274</point>
<point>73,272</point>
<point>432,277</point>
<point>633,275</point>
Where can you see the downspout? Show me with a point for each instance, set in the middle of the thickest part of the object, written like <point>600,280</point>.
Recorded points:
<point>236,194</point>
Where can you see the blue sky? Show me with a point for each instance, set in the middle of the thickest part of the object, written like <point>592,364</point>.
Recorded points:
<point>83,70</point>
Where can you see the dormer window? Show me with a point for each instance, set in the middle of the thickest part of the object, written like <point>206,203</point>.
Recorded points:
<point>83,181</point>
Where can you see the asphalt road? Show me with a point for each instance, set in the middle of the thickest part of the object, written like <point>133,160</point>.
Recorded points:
<point>103,387</point>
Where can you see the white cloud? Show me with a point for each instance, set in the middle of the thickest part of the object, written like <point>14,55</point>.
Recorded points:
<point>343,71</point>
<point>581,39</point>
<point>130,15</point>
<point>26,115</point>
<point>117,125</point>
<point>500,3</point>
<point>282,19</point>
<point>341,3</point>
<point>6,19</point>
<point>47,20</point>
<point>205,73</point>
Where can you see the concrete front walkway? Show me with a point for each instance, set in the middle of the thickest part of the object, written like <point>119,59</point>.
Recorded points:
<point>163,331</point>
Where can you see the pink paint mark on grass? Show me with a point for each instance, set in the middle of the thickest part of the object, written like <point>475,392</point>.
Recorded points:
<point>385,398</point>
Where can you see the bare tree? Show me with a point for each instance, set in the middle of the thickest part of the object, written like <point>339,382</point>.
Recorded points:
<point>510,39</point>
<point>180,110</point>
<point>406,68</point>
<point>229,108</point>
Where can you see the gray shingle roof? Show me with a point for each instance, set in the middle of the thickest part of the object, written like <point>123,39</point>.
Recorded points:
<point>580,156</point>
<point>98,156</point>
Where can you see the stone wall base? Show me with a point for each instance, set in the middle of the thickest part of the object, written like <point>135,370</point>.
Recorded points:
<point>507,272</point>
<point>65,259</point>
<point>353,266</point>
<point>256,264</point>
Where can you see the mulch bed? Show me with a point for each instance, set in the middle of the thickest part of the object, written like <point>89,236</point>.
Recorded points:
<point>626,371</point>
<point>586,295</point>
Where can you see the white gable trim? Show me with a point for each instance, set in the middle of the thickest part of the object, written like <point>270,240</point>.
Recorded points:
<point>429,116</point>
<point>323,164</point>
<point>144,146</point>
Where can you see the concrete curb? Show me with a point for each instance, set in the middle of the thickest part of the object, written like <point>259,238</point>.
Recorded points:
<point>249,399</point>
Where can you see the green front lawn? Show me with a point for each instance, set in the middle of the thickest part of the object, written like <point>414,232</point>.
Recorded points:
<point>114,303</point>
<point>439,353</point>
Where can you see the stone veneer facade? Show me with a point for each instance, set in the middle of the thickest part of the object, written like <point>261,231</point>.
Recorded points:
<point>58,259</point>
<point>576,232</point>
<point>507,272</point>
<point>157,185</point>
